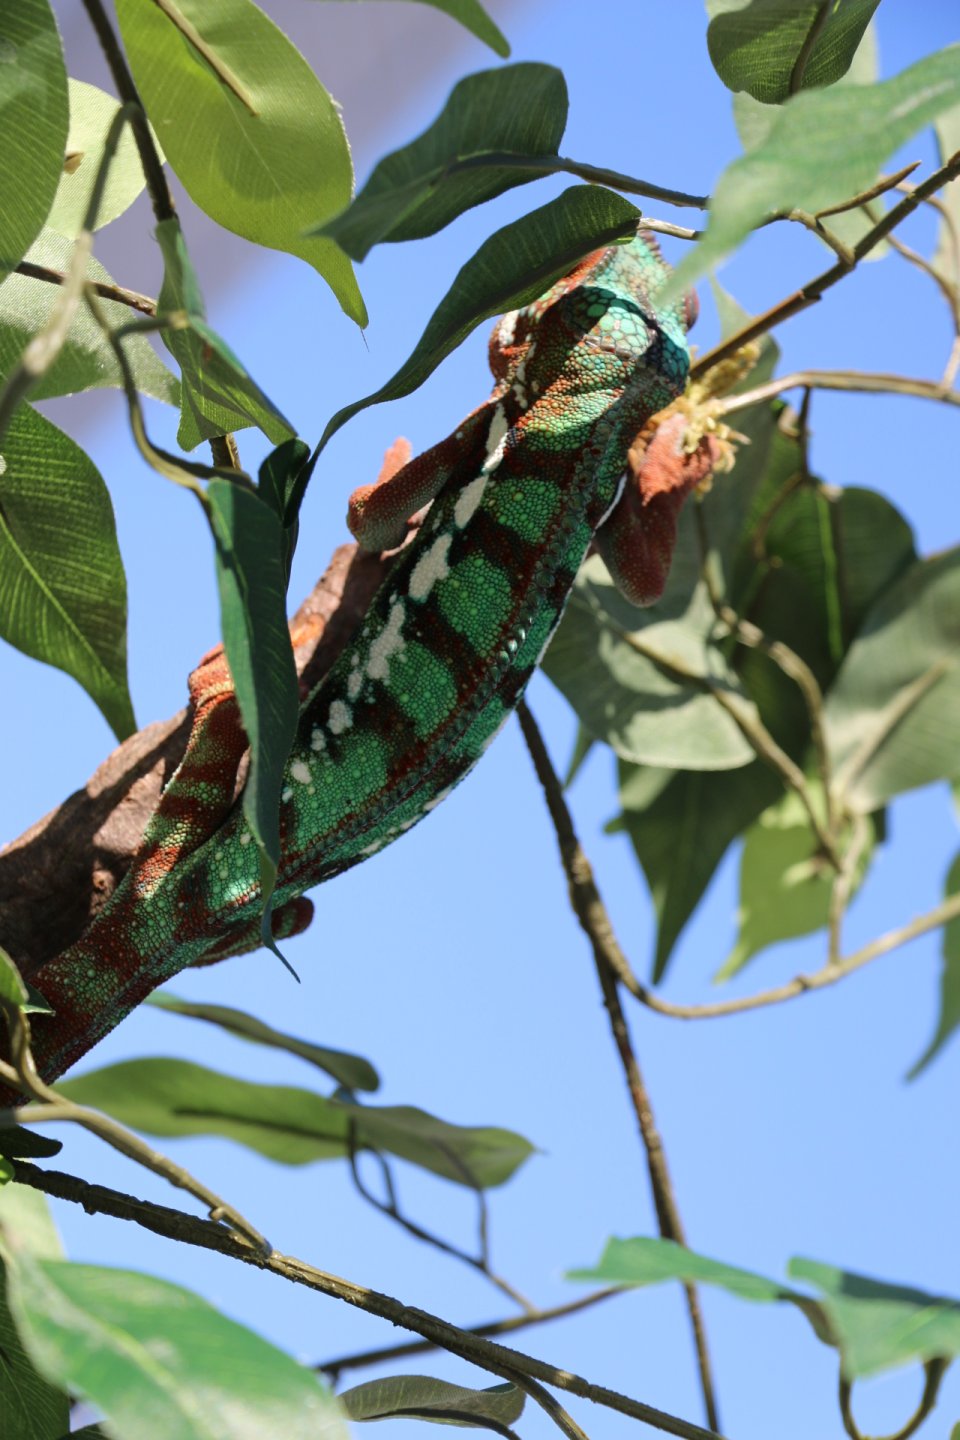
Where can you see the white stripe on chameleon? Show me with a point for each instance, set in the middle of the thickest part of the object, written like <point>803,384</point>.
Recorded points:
<point>340,717</point>
<point>431,567</point>
<point>318,741</point>
<point>496,439</point>
<point>300,771</point>
<point>507,328</point>
<point>354,684</point>
<point>470,496</point>
<point>388,643</point>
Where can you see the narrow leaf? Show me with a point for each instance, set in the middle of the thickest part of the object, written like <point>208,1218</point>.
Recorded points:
<point>461,160</point>
<point>473,17</point>
<point>18,1143</point>
<point>86,360</point>
<point>513,267</point>
<point>92,112</point>
<point>949,1017</point>
<point>158,1360</point>
<point>825,146</point>
<point>34,115</point>
<point>352,1071</point>
<point>295,1127</point>
<point>756,45</point>
<point>251,576</point>
<point>63,594</point>
<point>648,1261</point>
<point>13,991</point>
<point>891,714</point>
<point>252,134</point>
<point>423,1398</point>
<point>217,394</point>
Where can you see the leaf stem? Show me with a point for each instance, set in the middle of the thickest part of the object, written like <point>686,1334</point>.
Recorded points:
<point>143,303</point>
<point>860,381</point>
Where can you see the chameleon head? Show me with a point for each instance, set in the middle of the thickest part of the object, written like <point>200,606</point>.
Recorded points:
<point>596,330</point>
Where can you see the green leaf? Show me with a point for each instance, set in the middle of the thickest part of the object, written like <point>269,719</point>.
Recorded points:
<point>472,152</point>
<point>265,162</point>
<point>34,115</point>
<point>680,824</point>
<point>63,595</point>
<point>513,267</point>
<point>825,146</point>
<point>949,979</point>
<point>474,18</point>
<point>785,882</point>
<point>13,991</point>
<point>91,114</point>
<point>947,257</point>
<point>158,1360</point>
<point>640,706</point>
<point>86,360</point>
<point>422,1398</point>
<point>755,45</point>
<point>295,1127</point>
<point>732,318</point>
<point>582,746</point>
<point>7,1172</point>
<point>352,1071</point>
<point>218,396</point>
<point>890,716</point>
<point>754,121</point>
<point>251,576</point>
<point>17,1143</point>
<point>877,1325</point>
<point>644,1260</point>
<point>31,1408</point>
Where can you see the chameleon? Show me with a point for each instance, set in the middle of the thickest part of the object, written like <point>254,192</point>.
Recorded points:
<point>516,496</point>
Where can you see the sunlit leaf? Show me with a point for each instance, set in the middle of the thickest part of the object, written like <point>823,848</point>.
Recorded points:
<point>421,1397</point>
<point>34,116</point>
<point>30,1407</point>
<point>949,1017</point>
<point>471,152</point>
<point>86,360</point>
<point>257,142</point>
<point>295,1127</point>
<point>91,114</point>
<point>63,596</point>
<point>756,45</point>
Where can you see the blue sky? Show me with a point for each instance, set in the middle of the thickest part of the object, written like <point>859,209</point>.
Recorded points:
<point>451,960</point>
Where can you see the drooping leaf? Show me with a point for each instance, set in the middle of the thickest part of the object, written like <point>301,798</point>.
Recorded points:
<point>250,131</point>
<point>601,660</point>
<point>681,824</point>
<point>825,146</point>
<point>91,114</point>
<point>63,594</point>
<point>756,45</point>
<point>421,1397</point>
<point>873,1324</point>
<point>217,394</point>
<point>158,1360</point>
<point>251,577</point>
<point>785,883</point>
<point>18,1143</point>
<point>890,715</point>
<point>86,360</point>
<point>473,17</point>
<point>510,269</point>
<point>13,991</point>
<point>34,115</point>
<point>947,257</point>
<point>351,1071</point>
<point>949,1017</point>
<point>295,1127</point>
<point>30,1407</point>
<point>472,152</point>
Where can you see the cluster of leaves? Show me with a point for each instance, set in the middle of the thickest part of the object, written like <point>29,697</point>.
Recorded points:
<point>831,578</point>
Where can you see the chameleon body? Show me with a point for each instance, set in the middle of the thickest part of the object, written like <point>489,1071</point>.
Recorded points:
<point>516,496</point>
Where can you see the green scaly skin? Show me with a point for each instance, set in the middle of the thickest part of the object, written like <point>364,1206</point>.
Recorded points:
<point>443,656</point>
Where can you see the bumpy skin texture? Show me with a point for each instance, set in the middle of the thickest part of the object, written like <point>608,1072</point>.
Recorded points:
<point>451,639</point>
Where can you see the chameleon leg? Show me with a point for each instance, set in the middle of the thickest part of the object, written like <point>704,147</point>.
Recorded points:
<point>378,513</point>
<point>637,539</point>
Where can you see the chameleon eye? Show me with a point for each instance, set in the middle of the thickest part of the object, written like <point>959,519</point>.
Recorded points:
<point>691,309</point>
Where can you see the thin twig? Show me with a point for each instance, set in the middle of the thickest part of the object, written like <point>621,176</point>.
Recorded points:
<point>859,381</point>
<point>664,1198</point>
<point>386,1354</point>
<point>810,293</point>
<point>216,62</point>
<point>191,1230</point>
<point>885,183</point>
<point>934,1371</point>
<point>135,301</point>
<point>843,884</point>
<point>157,187</point>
